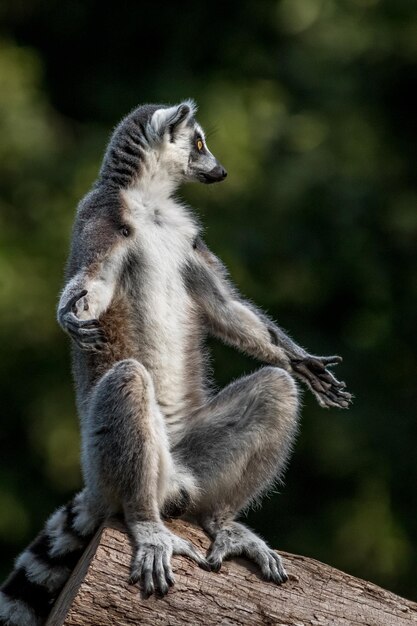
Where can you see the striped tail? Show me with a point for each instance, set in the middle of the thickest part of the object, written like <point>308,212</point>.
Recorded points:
<point>41,571</point>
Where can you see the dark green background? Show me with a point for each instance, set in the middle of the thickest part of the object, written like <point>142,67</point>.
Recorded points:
<point>311,105</point>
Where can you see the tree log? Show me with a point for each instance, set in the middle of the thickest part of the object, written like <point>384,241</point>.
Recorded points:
<point>98,592</point>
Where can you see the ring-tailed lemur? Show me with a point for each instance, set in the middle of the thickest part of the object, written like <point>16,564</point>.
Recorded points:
<point>142,292</point>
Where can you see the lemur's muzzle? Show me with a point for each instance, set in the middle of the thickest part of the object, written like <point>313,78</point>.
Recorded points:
<point>216,175</point>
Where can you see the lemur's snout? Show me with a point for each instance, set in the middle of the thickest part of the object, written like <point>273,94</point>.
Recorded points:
<point>216,175</point>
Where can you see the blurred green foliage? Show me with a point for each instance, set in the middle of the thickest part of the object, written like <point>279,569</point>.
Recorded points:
<point>313,104</point>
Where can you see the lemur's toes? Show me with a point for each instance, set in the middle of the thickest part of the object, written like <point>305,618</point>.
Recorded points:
<point>214,564</point>
<point>134,578</point>
<point>169,576</point>
<point>186,548</point>
<point>279,575</point>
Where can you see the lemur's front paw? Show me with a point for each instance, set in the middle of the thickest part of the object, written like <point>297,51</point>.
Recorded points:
<point>237,540</point>
<point>151,563</point>
<point>329,391</point>
<point>87,334</point>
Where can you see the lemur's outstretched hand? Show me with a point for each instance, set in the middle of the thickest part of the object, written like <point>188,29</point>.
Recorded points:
<point>86,333</point>
<point>329,391</point>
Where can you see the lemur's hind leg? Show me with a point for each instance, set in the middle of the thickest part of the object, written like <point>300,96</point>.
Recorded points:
<point>127,461</point>
<point>237,446</point>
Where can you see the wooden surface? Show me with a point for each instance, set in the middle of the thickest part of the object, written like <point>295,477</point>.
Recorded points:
<point>98,593</point>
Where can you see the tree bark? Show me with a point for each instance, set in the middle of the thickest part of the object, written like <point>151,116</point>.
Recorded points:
<point>98,593</point>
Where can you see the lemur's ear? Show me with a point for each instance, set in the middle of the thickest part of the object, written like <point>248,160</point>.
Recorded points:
<point>171,118</point>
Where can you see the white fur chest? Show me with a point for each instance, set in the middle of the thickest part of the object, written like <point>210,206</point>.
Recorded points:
<point>163,238</point>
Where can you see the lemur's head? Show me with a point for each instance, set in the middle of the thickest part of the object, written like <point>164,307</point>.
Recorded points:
<point>164,140</point>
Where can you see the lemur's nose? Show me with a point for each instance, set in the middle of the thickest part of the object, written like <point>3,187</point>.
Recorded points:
<point>219,172</point>
<point>216,175</point>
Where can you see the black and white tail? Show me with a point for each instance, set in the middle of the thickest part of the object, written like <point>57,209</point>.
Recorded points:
<point>41,571</point>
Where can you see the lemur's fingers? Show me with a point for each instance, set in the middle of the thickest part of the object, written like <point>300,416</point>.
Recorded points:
<point>312,379</point>
<point>318,364</point>
<point>161,583</point>
<point>271,568</point>
<point>215,556</point>
<point>87,334</point>
<point>338,398</point>
<point>148,586</point>
<point>214,562</point>
<point>74,322</point>
<point>90,341</point>
<point>330,383</point>
<point>278,573</point>
<point>328,395</point>
<point>329,377</point>
<point>279,565</point>
<point>152,569</point>
<point>169,576</point>
<point>326,378</point>
<point>345,395</point>
<point>322,397</point>
<point>262,559</point>
<point>186,548</point>
<point>89,331</point>
<point>331,399</point>
<point>325,402</point>
<point>268,561</point>
<point>326,388</point>
<point>336,386</point>
<point>136,568</point>
<point>73,301</point>
<point>329,361</point>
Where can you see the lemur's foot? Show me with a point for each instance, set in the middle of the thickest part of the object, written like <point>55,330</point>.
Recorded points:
<point>234,539</point>
<point>151,564</point>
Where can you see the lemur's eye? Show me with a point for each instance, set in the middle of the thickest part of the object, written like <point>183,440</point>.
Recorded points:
<point>199,145</point>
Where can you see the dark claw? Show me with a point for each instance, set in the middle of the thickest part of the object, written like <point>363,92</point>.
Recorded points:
<point>214,565</point>
<point>134,578</point>
<point>162,589</point>
<point>148,591</point>
<point>147,583</point>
